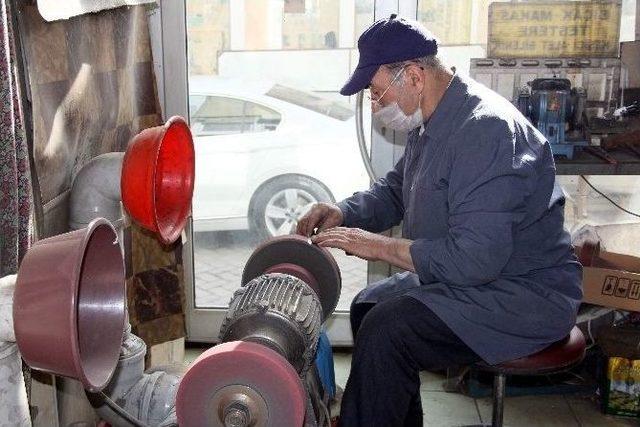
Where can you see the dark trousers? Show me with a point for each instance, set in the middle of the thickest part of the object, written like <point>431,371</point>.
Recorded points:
<point>394,340</point>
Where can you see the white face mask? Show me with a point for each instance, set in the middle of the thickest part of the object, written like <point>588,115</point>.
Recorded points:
<point>394,118</point>
<point>392,115</point>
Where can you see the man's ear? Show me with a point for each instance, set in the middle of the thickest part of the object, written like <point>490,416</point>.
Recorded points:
<point>415,74</point>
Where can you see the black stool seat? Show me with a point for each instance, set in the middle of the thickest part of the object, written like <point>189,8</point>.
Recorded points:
<point>558,357</point>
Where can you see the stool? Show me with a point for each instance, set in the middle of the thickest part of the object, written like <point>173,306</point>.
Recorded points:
<point>556,358</point>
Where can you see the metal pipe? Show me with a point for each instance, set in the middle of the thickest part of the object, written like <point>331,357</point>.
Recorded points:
<point>499,384</point>
<point>362,144</point>
<point>96,191</point>
<point>136,398</point>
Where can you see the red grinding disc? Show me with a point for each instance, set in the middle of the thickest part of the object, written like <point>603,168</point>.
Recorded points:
<point>243,382</point>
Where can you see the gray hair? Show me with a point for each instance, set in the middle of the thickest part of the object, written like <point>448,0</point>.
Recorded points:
<point>430,61</point>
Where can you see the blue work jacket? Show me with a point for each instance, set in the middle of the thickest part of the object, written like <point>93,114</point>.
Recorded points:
<point>476,192</point>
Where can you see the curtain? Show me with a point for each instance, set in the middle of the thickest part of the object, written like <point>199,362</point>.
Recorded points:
<point>15,197</point>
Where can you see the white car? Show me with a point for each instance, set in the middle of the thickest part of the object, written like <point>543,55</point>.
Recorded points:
<point>265,153</point>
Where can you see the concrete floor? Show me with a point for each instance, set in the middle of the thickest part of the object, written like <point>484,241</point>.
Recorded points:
<point>444,409</point>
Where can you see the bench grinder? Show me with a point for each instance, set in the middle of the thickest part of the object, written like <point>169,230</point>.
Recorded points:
<point>265,371</point>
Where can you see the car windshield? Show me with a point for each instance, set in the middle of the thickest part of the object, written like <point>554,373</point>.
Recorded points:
<point>312,102</point>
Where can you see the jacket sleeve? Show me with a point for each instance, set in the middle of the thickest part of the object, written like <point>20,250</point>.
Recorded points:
<point>380,207</point>
<point>488,187</point>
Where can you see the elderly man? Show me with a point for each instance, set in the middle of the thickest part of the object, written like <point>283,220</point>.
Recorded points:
<point>491,273</point>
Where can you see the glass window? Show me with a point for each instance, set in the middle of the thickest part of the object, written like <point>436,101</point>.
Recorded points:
<point>260,118</point>
<point>363,18</point>
<point>628,20</point>
<point>208,33</point>
<point>450,21</point>
<point>312,24</point>
<point>466,22</point>
<point>337,110</point>
<point>277,67</point>
<point>217,115</point>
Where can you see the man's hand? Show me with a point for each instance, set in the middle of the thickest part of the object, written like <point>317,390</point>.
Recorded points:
<point>368,246</point>
<point>354,241</point>
<point>321,215</point>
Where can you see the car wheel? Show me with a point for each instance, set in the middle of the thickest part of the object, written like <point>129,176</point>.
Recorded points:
<point>277,206</point>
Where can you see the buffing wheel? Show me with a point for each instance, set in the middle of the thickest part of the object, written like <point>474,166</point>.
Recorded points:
<point>240,384</point>
<point>294,255</point>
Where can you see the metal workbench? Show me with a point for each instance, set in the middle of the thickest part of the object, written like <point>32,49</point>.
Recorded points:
<point>584,163</point>
<point>601,78</point>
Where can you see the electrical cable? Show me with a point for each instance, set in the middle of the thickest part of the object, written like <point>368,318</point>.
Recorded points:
<point>323,407</point>
<point>120,411</point>
<point>609,199</point>
<point>326,413</point>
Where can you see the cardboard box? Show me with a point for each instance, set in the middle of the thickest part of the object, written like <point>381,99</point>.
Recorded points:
<point>617,288</point>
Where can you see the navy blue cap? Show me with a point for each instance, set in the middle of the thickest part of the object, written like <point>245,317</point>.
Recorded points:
<point>387,41</point>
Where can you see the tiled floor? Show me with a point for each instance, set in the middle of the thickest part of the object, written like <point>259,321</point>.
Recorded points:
<point>220,258</point>
<point>452,409</point>
<point>444,409</point>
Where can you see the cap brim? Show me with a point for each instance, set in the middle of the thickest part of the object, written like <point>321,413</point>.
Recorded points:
<point>359,80</point>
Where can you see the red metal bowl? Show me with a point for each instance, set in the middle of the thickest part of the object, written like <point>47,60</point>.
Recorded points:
<point>69,304</point>
<point>158,174</point>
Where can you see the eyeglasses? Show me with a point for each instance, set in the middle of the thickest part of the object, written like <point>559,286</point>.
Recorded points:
<point>376,102</point>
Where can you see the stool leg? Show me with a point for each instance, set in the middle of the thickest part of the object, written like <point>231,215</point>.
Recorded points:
<point>499,383</point>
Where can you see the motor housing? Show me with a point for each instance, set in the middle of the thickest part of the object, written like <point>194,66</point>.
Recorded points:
<point>279,311</point>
